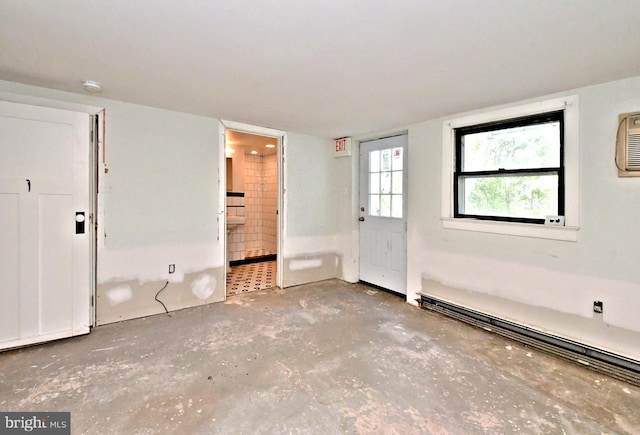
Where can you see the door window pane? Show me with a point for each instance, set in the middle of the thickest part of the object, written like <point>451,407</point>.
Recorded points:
<point>374,205</point>
<point>397,183</point>
<point>385,156</point>
<point>396,206</point>
<point>397,159</point>
<point>374,186</point>
<point>385,205</point>
<point>374,161</point>
<point>385,182</point>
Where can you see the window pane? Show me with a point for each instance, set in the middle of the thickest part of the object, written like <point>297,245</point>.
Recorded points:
<point>385,156</point>
<point>374,185</point>
<point>385,182</point>
<point>527,196</point>
<point>374,161</point>
<point>396,206</point>
<point>385,205</point>
<point>396,163</point>
<point>374,205</point>
<point>396,182</point>
<point>533,146</point>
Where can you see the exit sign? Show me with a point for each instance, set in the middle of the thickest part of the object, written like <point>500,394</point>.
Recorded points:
<point>342,147</point>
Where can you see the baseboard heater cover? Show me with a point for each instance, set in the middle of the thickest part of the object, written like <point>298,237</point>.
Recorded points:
<point>614,365</point>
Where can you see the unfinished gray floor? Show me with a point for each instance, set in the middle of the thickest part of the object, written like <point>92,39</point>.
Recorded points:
<point>322,358</point>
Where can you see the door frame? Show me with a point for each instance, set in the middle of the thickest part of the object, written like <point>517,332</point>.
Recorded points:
<point>222,176</point>
<point>95,143</point>
<point>98,167</point>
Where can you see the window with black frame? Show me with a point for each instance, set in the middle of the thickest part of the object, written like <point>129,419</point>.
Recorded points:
<point>510,170</point>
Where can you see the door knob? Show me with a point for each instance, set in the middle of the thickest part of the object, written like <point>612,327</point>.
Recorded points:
<point>361,219</point>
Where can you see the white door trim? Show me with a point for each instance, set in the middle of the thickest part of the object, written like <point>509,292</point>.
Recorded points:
<point>51,104</point>
<point>253,129</point>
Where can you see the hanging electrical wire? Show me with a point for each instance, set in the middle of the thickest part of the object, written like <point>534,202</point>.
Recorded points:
<point>162,303</point>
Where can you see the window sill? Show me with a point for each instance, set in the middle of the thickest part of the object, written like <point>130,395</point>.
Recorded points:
<point>564,233</point>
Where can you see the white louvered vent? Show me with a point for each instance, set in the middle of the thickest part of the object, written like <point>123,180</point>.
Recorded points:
<point>633,152</point>
<point>628,145</point>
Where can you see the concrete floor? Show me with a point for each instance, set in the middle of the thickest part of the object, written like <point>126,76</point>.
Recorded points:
<point>322,358</point>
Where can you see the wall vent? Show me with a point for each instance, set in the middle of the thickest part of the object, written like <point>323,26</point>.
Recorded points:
<point>628,145</point>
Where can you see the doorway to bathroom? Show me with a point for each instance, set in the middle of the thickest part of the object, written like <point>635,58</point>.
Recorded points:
<point>251,211</point>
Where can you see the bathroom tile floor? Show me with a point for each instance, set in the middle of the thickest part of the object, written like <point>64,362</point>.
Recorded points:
<point>251,277</point>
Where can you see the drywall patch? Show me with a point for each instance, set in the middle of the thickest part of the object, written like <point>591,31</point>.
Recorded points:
<point>566,292</point>
<point>295,265</point>
<point>118,295</point>
<point>137,298</point>
<point>204,286</point>
<point>303,269</point>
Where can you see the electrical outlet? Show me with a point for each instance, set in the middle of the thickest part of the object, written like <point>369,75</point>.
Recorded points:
<point>597,307</point>
<point>172,268</point>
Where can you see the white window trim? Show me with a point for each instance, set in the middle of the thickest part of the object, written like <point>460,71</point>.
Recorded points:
<point>569,232</point>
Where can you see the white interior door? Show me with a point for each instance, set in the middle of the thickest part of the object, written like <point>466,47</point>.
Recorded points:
<point>46,255</point>
<point>383,205</point>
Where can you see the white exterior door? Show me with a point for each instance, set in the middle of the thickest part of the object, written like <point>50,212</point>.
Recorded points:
<point>383,205</point>
<point>46,257</point>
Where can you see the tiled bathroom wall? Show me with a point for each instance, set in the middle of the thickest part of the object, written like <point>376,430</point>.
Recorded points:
<point>270,203</point>
<point>236,236</point>
<point>261,202</point>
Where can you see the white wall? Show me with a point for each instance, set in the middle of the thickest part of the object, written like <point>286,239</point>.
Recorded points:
<point>161,199</point>
<point>162,181</point>
<point>317,211</point>
<point>563,277</point>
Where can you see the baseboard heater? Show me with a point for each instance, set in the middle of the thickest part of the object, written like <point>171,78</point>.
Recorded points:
<point>600,360</point>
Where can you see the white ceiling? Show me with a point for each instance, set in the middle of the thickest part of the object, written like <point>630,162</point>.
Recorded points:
<point>330,68</point>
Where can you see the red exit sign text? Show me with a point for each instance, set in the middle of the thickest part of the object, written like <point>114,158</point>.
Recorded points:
<point>343,147</point>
